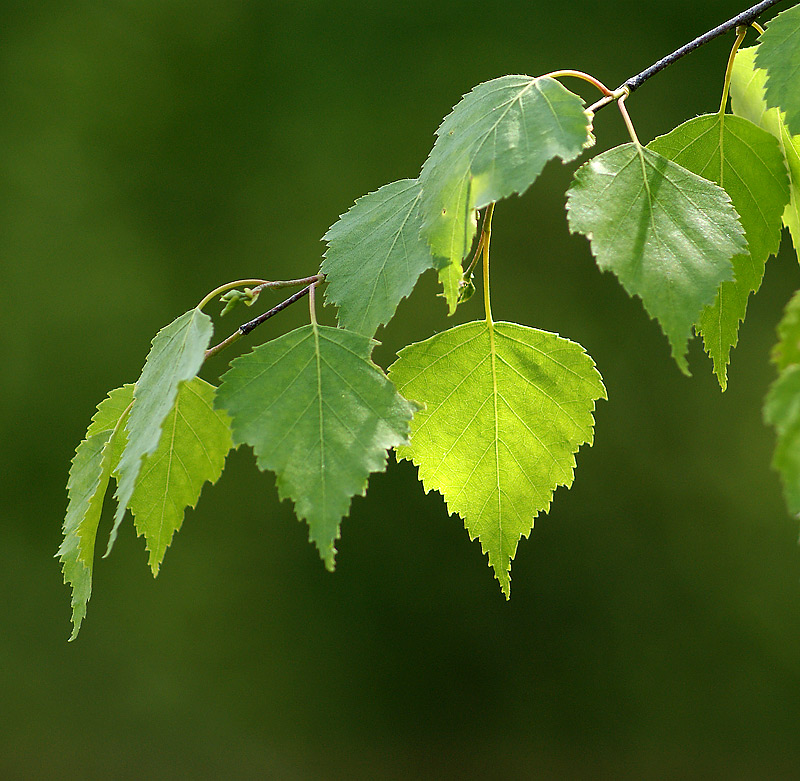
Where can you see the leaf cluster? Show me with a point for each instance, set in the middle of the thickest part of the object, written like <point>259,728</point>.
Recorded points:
<point>492,413</point>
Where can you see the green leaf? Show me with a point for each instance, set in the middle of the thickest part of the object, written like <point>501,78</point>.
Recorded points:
<point>668,234</point>
<point>94,461</point>
<point>494,143</point>
<point>375,256</point>
<point>507,407</point>
<point>779,55</point>
<point>782,405</point>
<point>747,100</point>
<point>782,410</point>
<point>319,414</point>
<point>787,351</point>
<point>748,163</point>
<point>192,449</point>
<point>176,356</point>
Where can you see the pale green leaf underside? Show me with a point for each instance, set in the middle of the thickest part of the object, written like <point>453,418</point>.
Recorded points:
<point>506,409</point>
<point>94,461</point>
<point>747,100</point>
<point>195,440</point>
<point>779,54</point>
<point>176,356</point>
<point>319,414</point>
<point>787,351</point>
<point>782,410</point>
<point>375,256</point>
<point>494,143</point>
<point>668,234</point>
<point>748,163</point>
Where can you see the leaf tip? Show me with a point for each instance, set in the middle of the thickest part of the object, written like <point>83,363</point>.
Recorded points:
<point>679,351</point>
<point>505,585</point>
<point>78,614</point>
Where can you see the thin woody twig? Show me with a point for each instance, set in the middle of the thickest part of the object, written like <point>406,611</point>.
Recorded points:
<point>246,328</point>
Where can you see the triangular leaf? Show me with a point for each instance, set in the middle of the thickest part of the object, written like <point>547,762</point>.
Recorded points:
<point>668,234</point>
<point>494,143</point>
<point>95,458</point>
<point>319,414</point>
<point>176,356</point>
<point>196,438</point>
<point>507,407</point>
<point>747,100</point>
<point>748,163</point>
<point>375,256</point>
<point>779,55</point>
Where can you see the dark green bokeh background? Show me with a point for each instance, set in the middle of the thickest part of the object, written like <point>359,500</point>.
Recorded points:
<point>151,150</point>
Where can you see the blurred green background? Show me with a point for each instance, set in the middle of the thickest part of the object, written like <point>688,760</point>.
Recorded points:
<point>152,150</point>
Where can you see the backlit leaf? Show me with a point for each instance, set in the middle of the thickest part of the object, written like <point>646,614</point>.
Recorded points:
<point>506,409</point>
<point>668,234</point>
<point>748,163</point>
<point>494,143</point>
<point>95,459</point>
<point>375,256</point>
<point>176,356</point>
<point>779,54</point>
<point>319,414</point>
<point>192,449</point>
<point>747,100</point>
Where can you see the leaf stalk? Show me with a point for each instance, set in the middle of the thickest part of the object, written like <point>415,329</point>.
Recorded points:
<point>740,34</point>
<point>486,235</point>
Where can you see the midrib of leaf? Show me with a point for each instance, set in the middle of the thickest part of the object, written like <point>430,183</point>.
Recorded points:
<point>652,211</point>
<point>317,355</point>
<point>169,473</point>
<point>492,352</point>
<point>722,288</point>
<point>721,149</point>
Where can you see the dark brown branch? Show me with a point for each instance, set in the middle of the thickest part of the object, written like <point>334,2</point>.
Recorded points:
<point>744,18</point>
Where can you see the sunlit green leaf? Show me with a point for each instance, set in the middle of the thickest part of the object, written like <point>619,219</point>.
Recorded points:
<point>195,440</point>
<point>494,143</point>
<point>506,409</point>
<point>747,100</point>
<point>779,54</point>
<point>668,234</point>
<point>95,459</point>
<point>176,356</point>
<point>375,256</point>
<point>748,163</point>
<point>319,414</point>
